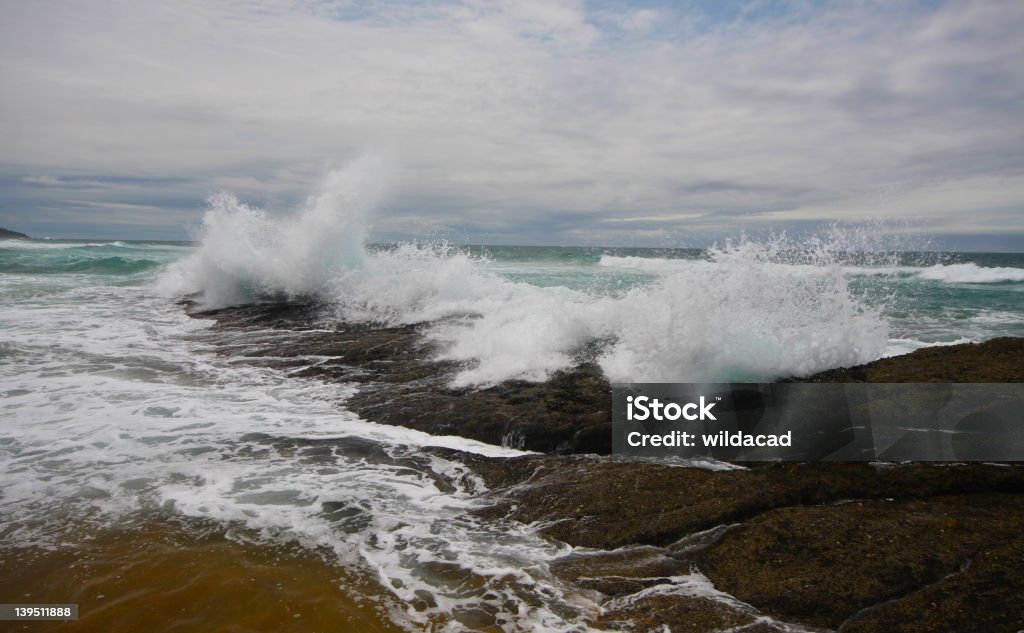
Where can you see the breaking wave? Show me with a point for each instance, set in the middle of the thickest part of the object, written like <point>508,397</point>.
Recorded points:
<point>100,258</point>
<point>747,311</point>
<point>971,273</point>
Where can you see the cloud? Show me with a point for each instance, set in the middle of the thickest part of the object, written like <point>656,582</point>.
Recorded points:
<point>502,116</point>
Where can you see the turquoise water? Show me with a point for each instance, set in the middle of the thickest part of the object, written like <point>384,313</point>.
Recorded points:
<point>926,297</point>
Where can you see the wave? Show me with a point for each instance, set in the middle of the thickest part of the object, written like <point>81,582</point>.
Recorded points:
<point>37,245</point>
<point>100,265</point>
<point>971,273</point>
<point>740,315</point>
<point>111,265</point>
<point>49,244</point>
<point>246,254</point>
<point>649,264</point>
<point>901,346</point>
<point>661,266</point>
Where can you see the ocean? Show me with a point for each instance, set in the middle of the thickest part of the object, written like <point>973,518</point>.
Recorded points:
<point>137,454</point>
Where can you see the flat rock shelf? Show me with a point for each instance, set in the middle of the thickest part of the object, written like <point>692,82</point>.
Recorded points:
<point>754,547</point>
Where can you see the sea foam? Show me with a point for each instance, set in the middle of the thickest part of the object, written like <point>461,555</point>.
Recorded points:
<point>971,273</point>
<point>750,310</point>
<point>247,254</point>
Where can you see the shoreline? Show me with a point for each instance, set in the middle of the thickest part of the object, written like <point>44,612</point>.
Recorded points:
<point>840,546</point>
<point>159,573</point>
<point>401,385</point>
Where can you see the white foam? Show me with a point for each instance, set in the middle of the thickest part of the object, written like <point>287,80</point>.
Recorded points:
<point>750,311</point>
<point>650,264</point>
<point>695,585</point>
<point>246,253</point>
<point>742,318</point>
<point>736,317</point>
<point>662,266</point>
<point>35,245</point>
<point>900,346</point>
<point>971,273</point>
<point>990,317</point>
<point>114,402</point>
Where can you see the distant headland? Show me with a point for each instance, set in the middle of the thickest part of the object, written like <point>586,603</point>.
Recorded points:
<point>4,233</point>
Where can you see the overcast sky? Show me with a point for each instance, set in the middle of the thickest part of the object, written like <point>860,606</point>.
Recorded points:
<point>534,122</point>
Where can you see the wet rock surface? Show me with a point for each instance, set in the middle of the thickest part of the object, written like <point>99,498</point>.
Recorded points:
<point>400,383</point>
<point>831,546</point>
<point>593,502</point>
<point>822,565</point>
<point>996,360</point>
<point>754,547</point>
<point>984,596</point>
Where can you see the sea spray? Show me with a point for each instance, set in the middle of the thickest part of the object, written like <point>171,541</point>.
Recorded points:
<point>749,310</point>
<point>247,254</point>
<point>754,311</point>
<point>745,313</point>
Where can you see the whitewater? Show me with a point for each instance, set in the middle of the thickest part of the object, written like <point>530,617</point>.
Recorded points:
<point>748,310</point>
<point>118,407</point>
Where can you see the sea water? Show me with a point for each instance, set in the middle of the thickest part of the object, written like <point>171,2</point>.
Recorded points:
<point>119,416</point>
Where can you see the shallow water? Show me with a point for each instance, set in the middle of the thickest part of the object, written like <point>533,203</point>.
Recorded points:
<point>164,576</point>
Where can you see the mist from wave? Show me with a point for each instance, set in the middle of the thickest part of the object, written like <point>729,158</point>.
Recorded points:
<point>748,310</point>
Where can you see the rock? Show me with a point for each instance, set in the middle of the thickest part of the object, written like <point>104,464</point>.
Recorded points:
<point>821,565</point>
<point>7,234</point>
<point>590,502</point>
<point>983,597</point>
<point>850,546</point>
<point>401,383</point>
<point>637,562</point>
<point>813,544</point>
<point>681,614</point>
<point>995,360</point>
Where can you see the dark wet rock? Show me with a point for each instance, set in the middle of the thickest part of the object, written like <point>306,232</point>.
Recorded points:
<point>984,596</point>
<point>627,563</point>
<point>811,544</point>
<point>599,503</point>
<point>995,360</point>
<point>821,565</point>
<point>848,546</point>
<point>681,614</point>
<point>400,383</point>
<point>285,315</point>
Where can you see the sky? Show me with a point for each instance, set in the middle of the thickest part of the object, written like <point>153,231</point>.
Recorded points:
<point>530,122</point>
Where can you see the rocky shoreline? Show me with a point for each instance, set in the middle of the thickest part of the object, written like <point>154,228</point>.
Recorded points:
<point>849,547</point>
<point>401,384</point>
<point>753,547</point>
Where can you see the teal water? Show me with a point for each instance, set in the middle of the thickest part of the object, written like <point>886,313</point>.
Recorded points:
<point>927,297</point>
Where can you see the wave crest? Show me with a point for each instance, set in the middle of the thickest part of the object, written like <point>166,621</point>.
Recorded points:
<point>748,311</point>
<point>971,273</point>
<point>246,254</point>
